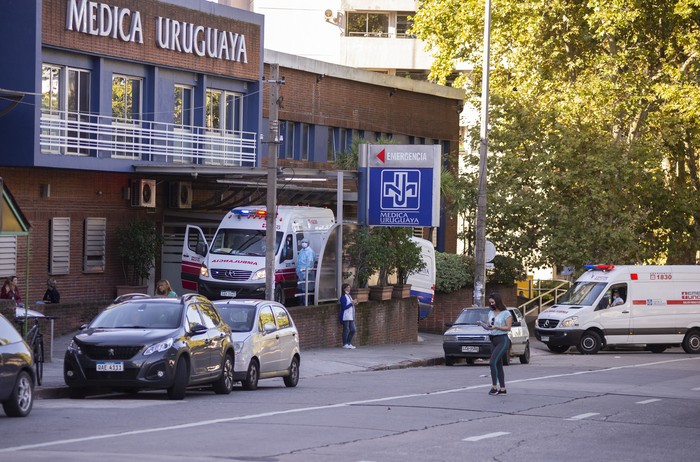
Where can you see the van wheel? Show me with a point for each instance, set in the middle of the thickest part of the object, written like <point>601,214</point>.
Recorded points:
<point>557,348</point>
<point>590,343</point>
<point>691,342</point>
<point>525,357</point>
<point>279,294</point>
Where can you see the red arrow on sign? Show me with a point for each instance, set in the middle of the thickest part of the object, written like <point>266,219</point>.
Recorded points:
<point>381,155</point>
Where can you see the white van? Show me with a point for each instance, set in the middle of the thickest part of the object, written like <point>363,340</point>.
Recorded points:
<point>233,265</point>
<point>423,282</point>
<point>653,306</point>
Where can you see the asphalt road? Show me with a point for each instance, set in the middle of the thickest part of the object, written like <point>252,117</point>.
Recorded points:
<point>621,406</point>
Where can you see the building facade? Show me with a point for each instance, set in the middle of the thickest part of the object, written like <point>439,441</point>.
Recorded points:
<point>120,110</point>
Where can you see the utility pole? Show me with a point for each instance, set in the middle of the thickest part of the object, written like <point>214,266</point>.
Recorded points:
<point>480,242</point>
<point>271,217</point>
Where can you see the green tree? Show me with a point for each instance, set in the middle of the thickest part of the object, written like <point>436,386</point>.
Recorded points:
<point>594,123</point>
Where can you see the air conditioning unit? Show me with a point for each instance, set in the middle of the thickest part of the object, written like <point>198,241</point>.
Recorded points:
<point>143,193</point>
<point>180,195</point>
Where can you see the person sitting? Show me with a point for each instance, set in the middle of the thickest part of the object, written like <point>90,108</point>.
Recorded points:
<point>10,291</point>
<point>51,295</point>
<point>616,299</point>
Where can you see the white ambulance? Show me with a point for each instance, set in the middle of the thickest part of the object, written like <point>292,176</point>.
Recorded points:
<point>233,264</point>
<point>653,306</point>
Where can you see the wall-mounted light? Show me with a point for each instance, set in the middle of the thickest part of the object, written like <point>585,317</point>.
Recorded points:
<point>393,92</point>
<point>319,77</point>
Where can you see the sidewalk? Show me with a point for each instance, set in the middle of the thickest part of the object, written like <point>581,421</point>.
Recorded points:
<point>427,351</point>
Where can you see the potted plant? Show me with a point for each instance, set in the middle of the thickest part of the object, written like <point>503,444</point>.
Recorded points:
<point>407,261</point>
<point>139,246</point>
<point>359,252</point>
<point>383,258</point>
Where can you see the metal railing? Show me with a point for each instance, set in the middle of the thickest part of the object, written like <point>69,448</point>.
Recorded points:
<point>545,296</point>
<point>91,135</point>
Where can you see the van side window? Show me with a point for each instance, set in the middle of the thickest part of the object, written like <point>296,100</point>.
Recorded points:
<point>288,249</point>
<point>300,236</point>
<point>618,294</point>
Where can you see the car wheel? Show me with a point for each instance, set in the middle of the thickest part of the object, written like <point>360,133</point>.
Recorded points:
<point>179,386</point>
<point>691,342</point>
<point>293,378</point>
<point>590,343</point>
<point>224,384</point>
<point>471,361</point>
<point>657,348</point>
<point>20,402</point>
<point>450,361</point>
<point>251,378</point>
<point>558,348</point>
<point>525,357</point>
<point>279,294</point>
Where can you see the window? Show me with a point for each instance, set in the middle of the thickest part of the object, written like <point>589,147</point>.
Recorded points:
<point>290,141</point>
<point>94,245</point>
<point>331,153</point>
<point>305,141</point>
<point>224,111</point>
<point>282,317</point>
<point>50,90</point>
<point>126,99</point>
<point>265,318</point>
<point>193,318</point>
<point>8,254</point>
<point>209,316</point>
<point>368,25</point>
<point>214,110</point>
<point>182,107</point>
<point>59,252</point>
<point>404,24</point>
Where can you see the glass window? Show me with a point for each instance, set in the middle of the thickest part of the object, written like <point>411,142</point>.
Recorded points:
<point>265,317</point>
<point>224,110</point>
<point>281,316</point>
<point>182,110</point>
<point>404,22</point>
<point>126,98</point>
<point>193,317</point>
<point>8,334</point>
<point>214,109</point>
<point>290,141</point>
<point>368,24</point>
<point>50,89</point>
<point>209,316</point>
<point>305,141</point>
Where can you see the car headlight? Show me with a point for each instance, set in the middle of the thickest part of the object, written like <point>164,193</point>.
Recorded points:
<point>73,346</point>
<point>162,346</point>
<point>237,347</point>
<point>570,322</point>
<point>449,338</point>
<point>259,274</point>
<point>204,271</point>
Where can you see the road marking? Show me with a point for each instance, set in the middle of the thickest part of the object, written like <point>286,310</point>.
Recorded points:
<point>486,436</point>
<point>101,404</point>
<point>695,389</point>
<point>583,416</point>
<point>647,401</point>
<point>318,408</point>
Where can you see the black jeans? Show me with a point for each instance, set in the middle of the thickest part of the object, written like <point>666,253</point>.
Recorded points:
<point>499,348</point>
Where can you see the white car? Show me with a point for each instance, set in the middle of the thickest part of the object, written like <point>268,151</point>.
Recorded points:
<point>266,342</point>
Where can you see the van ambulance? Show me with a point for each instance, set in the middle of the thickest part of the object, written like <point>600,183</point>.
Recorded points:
<point>423,281</point>
<point>233,264</point>
<point>660,308</point>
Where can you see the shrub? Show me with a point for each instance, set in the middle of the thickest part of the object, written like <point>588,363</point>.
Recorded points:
<point>453,272</point>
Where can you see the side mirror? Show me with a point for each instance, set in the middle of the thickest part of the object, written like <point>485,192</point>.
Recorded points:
<point>201,249</point>
<point>269,327</point>
<point>198,329</point>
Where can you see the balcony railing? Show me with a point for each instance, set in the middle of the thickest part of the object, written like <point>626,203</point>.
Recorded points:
<point>69,133</point>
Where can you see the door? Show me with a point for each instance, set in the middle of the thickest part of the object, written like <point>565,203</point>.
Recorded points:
<point>199,343</point>
<point>268,348</point>
<point>616,319</point>
<point>287,336</point>
<point>216,335</point>
<point>193,251</point>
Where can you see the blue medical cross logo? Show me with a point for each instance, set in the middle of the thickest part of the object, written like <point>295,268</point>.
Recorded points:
<point>400,190</point>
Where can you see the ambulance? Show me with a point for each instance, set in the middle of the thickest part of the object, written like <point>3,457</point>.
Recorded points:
<point>655,307</point>
<point>233,264</point>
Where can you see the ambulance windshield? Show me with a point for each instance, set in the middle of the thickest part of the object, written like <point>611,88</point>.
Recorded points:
<point>582,293</point>
<point>249,242</point>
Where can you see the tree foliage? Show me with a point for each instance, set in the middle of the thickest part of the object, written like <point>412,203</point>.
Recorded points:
<point>594,124</point>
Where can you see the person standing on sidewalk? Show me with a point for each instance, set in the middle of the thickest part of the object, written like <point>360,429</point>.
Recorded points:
<point>347,317</point>
<point>500,321</point>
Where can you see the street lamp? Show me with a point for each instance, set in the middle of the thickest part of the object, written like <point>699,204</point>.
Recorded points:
<point>480,241</point>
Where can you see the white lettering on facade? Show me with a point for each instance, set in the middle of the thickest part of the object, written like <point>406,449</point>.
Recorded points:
<point>415,156</point>
<point>94,18</point>
<point>397,218</point>
<point>103,20</point>
<point>203,41</point>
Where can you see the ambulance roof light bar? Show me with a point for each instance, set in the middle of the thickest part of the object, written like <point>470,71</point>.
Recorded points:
<point>600,267</point>
<point>250,213</point>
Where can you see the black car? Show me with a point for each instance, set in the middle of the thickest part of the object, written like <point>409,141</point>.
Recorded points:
<point>147,342</point>
<point>16,372</point>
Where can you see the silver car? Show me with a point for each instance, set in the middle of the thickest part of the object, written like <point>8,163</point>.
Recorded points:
<point>466,339</point>
<point>265,340</point>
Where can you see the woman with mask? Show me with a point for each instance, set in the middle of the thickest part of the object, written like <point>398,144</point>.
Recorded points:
<point>500,321</point>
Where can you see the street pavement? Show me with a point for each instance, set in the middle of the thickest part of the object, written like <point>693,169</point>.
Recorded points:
<point>425,351</point>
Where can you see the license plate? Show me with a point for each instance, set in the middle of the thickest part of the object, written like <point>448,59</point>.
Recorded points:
<point>110,367</point>
<point>228,293</point>
<point>544,338</point>
<point>470,349</point>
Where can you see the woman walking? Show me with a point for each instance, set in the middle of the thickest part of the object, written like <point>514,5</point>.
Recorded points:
<point>500,322</point>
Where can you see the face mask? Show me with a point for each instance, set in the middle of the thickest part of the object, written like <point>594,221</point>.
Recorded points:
<point>304,245</point>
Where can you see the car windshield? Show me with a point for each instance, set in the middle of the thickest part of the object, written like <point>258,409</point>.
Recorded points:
<point>242,242</point>
<point>472,315</point>
<point>240,318</point>
<point>150,314</point>
<point>582,293</point>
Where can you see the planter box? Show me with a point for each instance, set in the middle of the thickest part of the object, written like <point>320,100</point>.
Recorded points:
<point>401,291</point>
<point>361,295</point>
<point>380,292</point>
